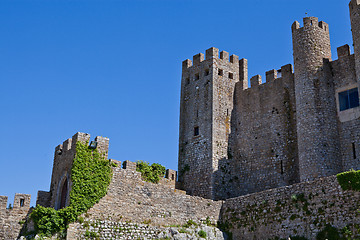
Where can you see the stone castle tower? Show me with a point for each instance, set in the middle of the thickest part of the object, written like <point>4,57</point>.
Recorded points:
<point>299,125</point>
<point>206,106</point>
<point>315,102</point>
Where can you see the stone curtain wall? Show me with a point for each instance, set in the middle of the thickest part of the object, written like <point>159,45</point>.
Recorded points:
<point>264,149</point>
<point>298,210</point>
<point>129,198</point>
<point>12,220</point>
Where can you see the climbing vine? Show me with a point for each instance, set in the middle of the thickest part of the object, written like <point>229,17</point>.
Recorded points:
<point>90,176</point>
<point>150,173</point>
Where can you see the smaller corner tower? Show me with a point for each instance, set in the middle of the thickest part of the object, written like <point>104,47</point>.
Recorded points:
<point>207,90</point>
<point>63,161</point>
<point>354,7</point>
<point>317,131</point>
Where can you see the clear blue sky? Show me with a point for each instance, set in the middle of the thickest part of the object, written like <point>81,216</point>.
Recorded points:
<point>113,68</point>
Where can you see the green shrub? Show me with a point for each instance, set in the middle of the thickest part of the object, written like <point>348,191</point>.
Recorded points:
<point>150,173</point>
<point>189,224</point>
<point>202,234</point>
<point>91,176</point>
<point>349,180</point>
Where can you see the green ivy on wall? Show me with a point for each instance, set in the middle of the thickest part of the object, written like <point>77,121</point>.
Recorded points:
<point>150,173</point>
<point>90,175</point>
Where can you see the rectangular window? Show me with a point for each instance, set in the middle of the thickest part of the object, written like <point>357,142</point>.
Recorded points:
<point>22,202</point>
<point>348,99</point>
<point>196,131</point>
<point>231,75</point>
<point>221,72</point>
<point>197,76</point>
<point>207,72</point>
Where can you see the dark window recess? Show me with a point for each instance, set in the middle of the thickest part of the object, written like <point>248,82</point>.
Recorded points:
<point>221,72</point>
<point>172,177</point>
<point>207,72</point>
<point>93,145</point>
<point>282,167</point>
<point>187,81</point>
<point>22,202</point>
<point>197,76</point>
<point>349,99</point>
<point>231,75</point>
<point>196,131</point>
<point>354,150</point>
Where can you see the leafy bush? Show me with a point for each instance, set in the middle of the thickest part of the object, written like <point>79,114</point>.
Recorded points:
<point>150,173</point>
<point>202,234</point>
<point>91,176</point>
<point>349,180</point>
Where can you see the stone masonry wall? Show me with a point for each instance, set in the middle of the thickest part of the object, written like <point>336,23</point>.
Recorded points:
<point>104,229</point>
<point>129,198</point>
<point>344,76</point>
<point>298,210</point>
<point>12,220</point>
<point>264,150</point>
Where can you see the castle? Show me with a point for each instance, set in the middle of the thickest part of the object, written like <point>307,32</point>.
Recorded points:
<point>259,160</point>
<point>300,125</point>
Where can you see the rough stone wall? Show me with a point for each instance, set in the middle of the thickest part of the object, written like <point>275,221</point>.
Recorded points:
<point>344,75</point>
<point>355,28</point>
<point>264,150</point>
<point>11,220</point>
<point>298,210</point>
<point>104,229</point>
<point>317,130</point>
<point>63,160</point>
<point>206,104</point>
<point>129,198</point>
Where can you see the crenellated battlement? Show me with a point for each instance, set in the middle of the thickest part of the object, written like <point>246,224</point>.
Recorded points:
<point>131,166</point>
<point>285,71</point>
<point>21,202</point>
<point>69,145</point>
<point>343,51</point>
<point>310,23</point>
<point>211,53</point>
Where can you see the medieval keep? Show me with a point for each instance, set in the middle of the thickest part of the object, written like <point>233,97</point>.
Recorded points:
<point>301,124</point>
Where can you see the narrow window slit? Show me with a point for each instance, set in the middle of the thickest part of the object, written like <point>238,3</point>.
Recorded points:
<point>196,131</point>
<point>282,167</point>
<point>354,150</point>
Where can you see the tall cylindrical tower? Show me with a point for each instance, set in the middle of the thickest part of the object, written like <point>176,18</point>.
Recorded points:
<point>315,101</point>
<point>355,28</point>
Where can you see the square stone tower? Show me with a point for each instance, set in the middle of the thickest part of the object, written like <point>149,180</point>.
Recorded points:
<point>207,91</point>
